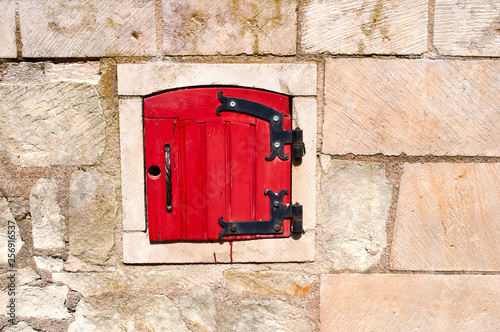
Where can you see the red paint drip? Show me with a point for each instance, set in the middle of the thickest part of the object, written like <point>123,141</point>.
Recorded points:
<point>215,258</point>
<point>231,252</point>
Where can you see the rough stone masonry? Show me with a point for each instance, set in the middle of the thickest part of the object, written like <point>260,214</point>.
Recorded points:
<point>406,149</point>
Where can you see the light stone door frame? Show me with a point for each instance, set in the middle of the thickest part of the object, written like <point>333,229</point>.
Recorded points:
<point>138,80</point>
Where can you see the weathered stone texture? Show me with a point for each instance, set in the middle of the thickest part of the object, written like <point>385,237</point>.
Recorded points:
<point>26,275</point>
<point>271,250</point>
<point>19,327</point>
<point>140,313</point>
<point>7,219</point>
<point>93,284</point>
<point>264,315</point>
<point>289,78</point>
<point>8,29</point>
<point>132,164</point>
<point>305,116</point>
<point>42,302</point>
<point>46,72</point>
<point>49,263</point>
<point>47,220</point>
<point>82,323</point>
<point>447,218</point>
<point>364,27</point>
<point>355,204</point>
<point>467,27</point>
<point>197,306</point>
<point>92,214</point>
<point>416,107</point>
<point>268,282</point>
<point>53,123</point>
<point>193,299</point>
<point>137,249</point>
<point>79,28</point>
<point>410,303</point>
<point>229,27</point>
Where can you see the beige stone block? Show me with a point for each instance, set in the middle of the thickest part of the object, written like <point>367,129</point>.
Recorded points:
<point>193,301</point>
<point>132,165</point>
<point>93,284</point>
<point>32,73</point>
<point>264,315</point>
<point>304,116</point>
<point>42,302</point>
<point>364,27</point>
<point>137,249</point>
<point>416,107</point>
<point>447,218</point>
<point>26,275</point>
<point>198,307</point>
<point>48,223</point>
<point>92,215</point>
<point>78,28</point>
<point>289,78</point>
<point>49,263</point>
<point>355,200</point>
<point>275,250</point>
<point>229,27</point>
<point>142,312</point>
<point>57,123</point>
<point>268,282</point>
<point>19,327</point>
<point>467,27</point>
<point>410,302</point>
<point>8,29</point>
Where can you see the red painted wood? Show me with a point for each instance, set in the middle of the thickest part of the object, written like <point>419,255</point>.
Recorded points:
<point>242,159</point>
<point>159,133</point>
<point>217,194</point>
<point>218,165</point>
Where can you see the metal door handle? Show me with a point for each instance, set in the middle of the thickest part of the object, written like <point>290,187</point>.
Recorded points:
<point>168,177</point>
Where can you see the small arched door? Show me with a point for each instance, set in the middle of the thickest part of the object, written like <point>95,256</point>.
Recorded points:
<point>218,165</point>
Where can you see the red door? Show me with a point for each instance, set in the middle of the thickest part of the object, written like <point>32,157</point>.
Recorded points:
<point>205,169</point>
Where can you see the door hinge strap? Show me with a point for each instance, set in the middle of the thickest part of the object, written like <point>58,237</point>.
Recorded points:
<point>279,137</point>
<point>279,211</point>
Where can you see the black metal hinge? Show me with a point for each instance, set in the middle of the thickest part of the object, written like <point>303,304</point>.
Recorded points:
<point>279,137</point>
<point>279,211</point>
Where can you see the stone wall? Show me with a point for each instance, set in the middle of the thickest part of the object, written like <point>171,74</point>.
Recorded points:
<point>407,157</point>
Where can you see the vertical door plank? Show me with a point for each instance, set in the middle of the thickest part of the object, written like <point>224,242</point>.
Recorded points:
<point>216,136</point>
<point>163,226</point>
<point>193,180</point>
<point>242,156</point>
